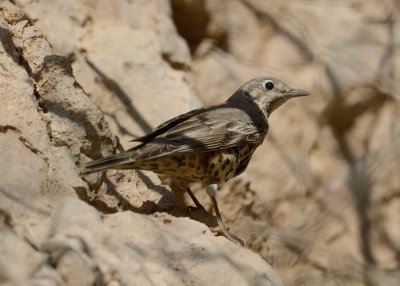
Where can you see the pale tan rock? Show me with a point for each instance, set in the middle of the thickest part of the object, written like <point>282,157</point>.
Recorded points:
<point>49,127</point>
<point>146,250</point>
<point>325,180</point>
<point>127,56</point>
<point>320,197</point>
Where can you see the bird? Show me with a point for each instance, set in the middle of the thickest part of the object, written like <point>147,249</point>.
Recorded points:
<point>208,145</point>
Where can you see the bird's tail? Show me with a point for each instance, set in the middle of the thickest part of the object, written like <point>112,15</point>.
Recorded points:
<point>120,161</point>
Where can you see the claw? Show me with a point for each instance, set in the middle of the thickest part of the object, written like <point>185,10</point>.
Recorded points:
<point>212,191</point>
<point>192,208</point>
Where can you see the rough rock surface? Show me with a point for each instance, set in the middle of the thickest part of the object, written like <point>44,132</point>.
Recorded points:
<point>324,194</point>
<point>57,228</point>
<point>320,199</point>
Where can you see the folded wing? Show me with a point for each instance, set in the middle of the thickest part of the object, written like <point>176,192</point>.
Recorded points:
<point>195,131</point>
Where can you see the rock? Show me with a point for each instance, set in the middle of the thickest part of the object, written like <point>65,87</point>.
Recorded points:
<point>131,249</point>
<point>126,55</point>
<point>58,228</point>
<point>321,196</point>
<point>322,184</point>
<point>19,260</point>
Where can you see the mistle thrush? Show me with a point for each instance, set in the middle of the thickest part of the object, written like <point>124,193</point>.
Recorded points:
<point>209,145</point>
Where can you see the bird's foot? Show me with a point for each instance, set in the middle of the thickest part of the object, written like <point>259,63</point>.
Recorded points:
<point>191,209</point>
<point>218,230</point>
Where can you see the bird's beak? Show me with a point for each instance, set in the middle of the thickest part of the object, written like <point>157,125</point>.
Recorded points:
<point>296,92</point>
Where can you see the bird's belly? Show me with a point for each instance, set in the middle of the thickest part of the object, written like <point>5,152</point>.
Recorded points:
<point>214,166</point>
<point>222,165</point>
<point>189,167</point>
<point>218,166</point>
<point>244,156</point>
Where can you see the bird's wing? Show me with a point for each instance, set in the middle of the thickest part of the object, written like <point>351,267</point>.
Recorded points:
<point>203,132</point>
<point>168,125</point>
<point>197,131</point>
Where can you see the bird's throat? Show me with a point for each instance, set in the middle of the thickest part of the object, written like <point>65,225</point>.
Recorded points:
<point>271,106</point>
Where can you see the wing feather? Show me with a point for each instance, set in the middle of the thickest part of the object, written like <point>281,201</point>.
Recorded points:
<point>180,119</point>
<point>201,133</point>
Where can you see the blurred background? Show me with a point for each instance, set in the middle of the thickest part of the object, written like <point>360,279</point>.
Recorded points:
<point>321,197</point>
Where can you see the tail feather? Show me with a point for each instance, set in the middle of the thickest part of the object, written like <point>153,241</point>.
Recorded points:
<point>113,162</point>
<point>130,159</point>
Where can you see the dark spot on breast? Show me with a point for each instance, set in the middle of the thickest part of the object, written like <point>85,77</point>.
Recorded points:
<point>178,159</point>
<point>153,165</point>
<point>198,168</point>
<point>242,165</point>
<point>216,173</point>
<point>212,165</point>
<point>226,164</point>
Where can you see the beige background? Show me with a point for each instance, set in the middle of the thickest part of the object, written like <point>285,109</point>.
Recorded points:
<point>319,201</point>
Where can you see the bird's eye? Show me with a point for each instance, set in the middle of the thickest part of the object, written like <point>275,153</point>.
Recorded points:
<point>269,85</point>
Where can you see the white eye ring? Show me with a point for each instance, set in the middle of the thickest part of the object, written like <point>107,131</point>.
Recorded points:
<point>269,85</point>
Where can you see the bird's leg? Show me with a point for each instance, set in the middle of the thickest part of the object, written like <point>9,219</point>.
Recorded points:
<point>184,186</point>
<point>194,199</point>
<point>212,191</point>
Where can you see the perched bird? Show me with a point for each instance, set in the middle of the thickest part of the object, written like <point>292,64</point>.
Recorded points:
<point>209,145</point>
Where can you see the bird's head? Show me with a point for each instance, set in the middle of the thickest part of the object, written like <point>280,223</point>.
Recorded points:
<point>267,93</point>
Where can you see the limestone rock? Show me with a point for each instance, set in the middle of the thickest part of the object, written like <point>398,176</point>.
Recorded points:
<point>320,198</point>
<point>58,228</point>
<point>324,186</point>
